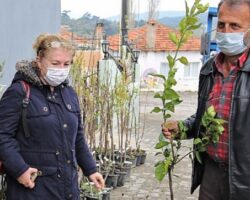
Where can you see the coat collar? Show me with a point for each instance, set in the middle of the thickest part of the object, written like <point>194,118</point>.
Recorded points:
<point>209,66</point>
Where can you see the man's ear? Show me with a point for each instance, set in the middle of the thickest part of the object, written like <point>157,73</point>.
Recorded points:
<point>247,38</point>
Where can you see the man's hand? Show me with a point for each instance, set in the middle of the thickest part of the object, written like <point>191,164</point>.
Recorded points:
<point>97,179</point>
<point>25,178</point>
<point>170,129</point>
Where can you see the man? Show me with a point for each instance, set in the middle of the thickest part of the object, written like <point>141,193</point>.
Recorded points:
<point>225,83</point>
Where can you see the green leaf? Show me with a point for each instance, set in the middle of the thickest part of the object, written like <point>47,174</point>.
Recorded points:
<point>203,148</point>
<point>202,8</point>
<point>171,61</point>
<point>220,129</point>
<point>173,37</point>
<point>158,95</point>
<point>161,144</point>
<point>192,20</point>
<point>187,8</point>
<point>194,27</point>
<point>220,121</point>
<point>193,10</point>
<point>169,106</point>
<point>161,137</point>
<point>198,156</point>
<point>205,140</point>
<point>158,163</point>
<point>170,94</point>
<point>177,101</point>
<point>215,138</point>
<point>183,60</point>
<point>167,153</point>
<point>197,141</point>
<point>158,153</point>
<point>161,171</point>
<point>187,35</point>
<point>156,110</point>
<point>183,24</point>
<point>182,129</point>
<point>211,111</point>
<point>158,75</point>
<point>167,116</point>
<point>170,82</point>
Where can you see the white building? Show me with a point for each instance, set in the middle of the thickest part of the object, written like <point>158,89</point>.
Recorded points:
<point>153,41</point>
<point>21,22</point>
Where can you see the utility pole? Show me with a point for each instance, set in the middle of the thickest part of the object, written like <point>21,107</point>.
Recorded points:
<point>124,22</point>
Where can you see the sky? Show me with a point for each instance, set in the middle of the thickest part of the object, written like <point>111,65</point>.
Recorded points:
<point>108,8</point>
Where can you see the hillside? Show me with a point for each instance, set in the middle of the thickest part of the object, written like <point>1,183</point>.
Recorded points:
<point>85,25</point>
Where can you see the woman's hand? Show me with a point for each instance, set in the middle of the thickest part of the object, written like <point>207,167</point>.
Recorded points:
<point>97,179</point>
<point>25,178</point>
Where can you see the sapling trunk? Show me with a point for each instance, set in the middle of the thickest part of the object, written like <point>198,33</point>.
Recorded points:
<point>170,98</point>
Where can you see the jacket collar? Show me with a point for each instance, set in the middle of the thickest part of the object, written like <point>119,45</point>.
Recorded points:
<point>246,67</point>
<point>28,71</point>
<point>209,66</point>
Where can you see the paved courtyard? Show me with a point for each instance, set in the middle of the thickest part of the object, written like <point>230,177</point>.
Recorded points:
<point>142,184</point>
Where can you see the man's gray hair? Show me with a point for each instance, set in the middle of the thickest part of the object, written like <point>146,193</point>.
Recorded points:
<point>234,2</point>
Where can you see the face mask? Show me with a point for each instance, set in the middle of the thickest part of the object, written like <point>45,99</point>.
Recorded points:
<point>55,76</point>
<point>230,44</point>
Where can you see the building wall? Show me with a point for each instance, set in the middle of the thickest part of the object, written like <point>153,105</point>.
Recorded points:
<point>21,21</point>
<point>156,62</point>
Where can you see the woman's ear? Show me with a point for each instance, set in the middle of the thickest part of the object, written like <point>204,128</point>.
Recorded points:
<point>38,61</point>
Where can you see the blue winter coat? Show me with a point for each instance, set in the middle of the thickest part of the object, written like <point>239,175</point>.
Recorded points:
<point>56,143</point>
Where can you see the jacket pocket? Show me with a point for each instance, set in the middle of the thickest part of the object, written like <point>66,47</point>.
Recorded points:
<point>47,171</point>
<point>40,158</point>
<point>37,108</point>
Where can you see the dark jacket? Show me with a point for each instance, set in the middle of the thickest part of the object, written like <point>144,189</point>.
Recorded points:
<point>56,143</point>
<point>239,127</point>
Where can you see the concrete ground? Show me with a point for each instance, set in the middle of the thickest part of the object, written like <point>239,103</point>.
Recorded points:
<point>142,184</point>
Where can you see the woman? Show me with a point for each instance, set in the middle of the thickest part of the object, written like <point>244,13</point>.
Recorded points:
<point>55,144</point>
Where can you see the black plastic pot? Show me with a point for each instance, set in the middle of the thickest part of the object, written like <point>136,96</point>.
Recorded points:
<point>121,178</point>
<point>106,196</point>
<point>138,160</point>
<point>126,169</point>
<point>143,158</point>
<point>133,161</point>
<point>92,198</point>
<point>111,180</point>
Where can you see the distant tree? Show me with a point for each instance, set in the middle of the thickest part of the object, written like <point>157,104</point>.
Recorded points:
<point>110,27</point>
<point>140,23</point>
<point>65,18</point>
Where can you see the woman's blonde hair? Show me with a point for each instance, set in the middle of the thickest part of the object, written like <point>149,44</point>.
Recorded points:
<point>45,42</point>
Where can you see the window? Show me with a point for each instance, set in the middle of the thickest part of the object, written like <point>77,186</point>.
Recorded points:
<point>191,70</point>
<point>164,69</point>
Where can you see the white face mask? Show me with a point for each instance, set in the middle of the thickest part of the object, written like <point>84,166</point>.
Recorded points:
<point>55,76</point>
<point>230,44</point>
